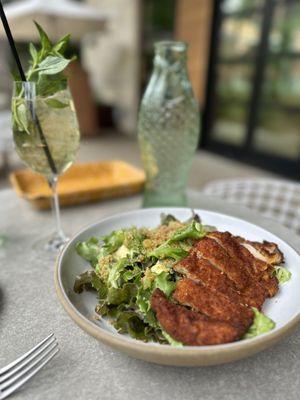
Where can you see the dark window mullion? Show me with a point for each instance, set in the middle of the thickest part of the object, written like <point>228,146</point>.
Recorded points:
<point>210,90</point>
<point>258,78</point>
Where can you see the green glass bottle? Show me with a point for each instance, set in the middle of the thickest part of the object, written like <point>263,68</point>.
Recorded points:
<point>168,127</point>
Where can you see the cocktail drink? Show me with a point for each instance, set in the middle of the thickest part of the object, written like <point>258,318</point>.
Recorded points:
<point>42,124</point>
<point>45,127</point>
<point>58,125</point>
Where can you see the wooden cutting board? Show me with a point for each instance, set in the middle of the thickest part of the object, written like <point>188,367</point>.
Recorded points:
<point>82,183</point>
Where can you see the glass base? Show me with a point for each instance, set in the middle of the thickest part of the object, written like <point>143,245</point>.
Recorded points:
<point>154,199</point>
<point>53,243</point>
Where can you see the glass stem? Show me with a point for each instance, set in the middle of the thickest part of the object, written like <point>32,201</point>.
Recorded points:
<point>55,205</point>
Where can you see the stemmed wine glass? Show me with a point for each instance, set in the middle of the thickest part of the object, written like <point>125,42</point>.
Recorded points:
<point>46,136</point>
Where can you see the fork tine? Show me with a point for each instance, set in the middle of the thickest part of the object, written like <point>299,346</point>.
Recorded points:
<point>30,366</point>
<point>27,360</point>
<point>15,362</point>
<point>13,388</point>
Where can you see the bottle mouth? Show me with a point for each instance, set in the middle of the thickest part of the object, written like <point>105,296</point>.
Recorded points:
<point>170,45</point>
<point>170,52</point>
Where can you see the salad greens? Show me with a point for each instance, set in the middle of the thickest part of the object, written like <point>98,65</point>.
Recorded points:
<point>129,264</point>
<point>282,274</point>
<point>261,324</point>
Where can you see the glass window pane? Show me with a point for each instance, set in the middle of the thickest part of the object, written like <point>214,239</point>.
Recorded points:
<point>230,123</point>
<point>233,91</point>
<point>285,33</point>
<point>278,133</point>
<point>278,130</point>
<point>234,82</point>
<point>239,38</point>
<point>237,6</point>
<point>282,82</point>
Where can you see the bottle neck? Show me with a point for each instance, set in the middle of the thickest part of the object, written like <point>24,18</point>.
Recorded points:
<point>169,78</point>
<point>163,65</point>
<point>170,56</point>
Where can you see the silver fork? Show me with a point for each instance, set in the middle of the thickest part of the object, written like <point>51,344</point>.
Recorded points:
<point>15,374</point>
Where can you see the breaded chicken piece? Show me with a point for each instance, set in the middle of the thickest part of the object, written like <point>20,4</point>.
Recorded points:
<point>213,304</point>
<point>266,251</point>
<point>190,327</point>
<point>259,270</point>
<point>266,279</point>
<point>224,275</point>
<point>212,251</point>
<point>255,295</point>
<point>201,270</point>
<point>235,249</point>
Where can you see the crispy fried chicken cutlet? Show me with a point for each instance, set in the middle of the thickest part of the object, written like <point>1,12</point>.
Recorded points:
<point>201,270</point>
<point>266,251</point>
<point>259,270</point>
<point>212,251</point>
<point>213,304</point>
<point>190,327</point>
<point>223,277</point>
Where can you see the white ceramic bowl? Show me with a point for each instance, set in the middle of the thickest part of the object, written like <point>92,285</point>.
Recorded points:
<point>284,308</point>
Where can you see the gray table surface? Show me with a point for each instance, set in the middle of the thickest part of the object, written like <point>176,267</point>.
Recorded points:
<point>87,369</point>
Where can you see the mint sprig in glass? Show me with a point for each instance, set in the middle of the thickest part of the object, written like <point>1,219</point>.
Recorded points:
<point>45,126</point>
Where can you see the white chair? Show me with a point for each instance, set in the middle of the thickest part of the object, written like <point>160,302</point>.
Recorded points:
<point>275,199</point>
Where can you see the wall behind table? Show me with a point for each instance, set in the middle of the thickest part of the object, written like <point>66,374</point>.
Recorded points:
<point>193,25</point>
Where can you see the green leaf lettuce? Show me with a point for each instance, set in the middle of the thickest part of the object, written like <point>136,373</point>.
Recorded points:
<point>261,324</point>
<point>282,274</point>
<point>89,250</point>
